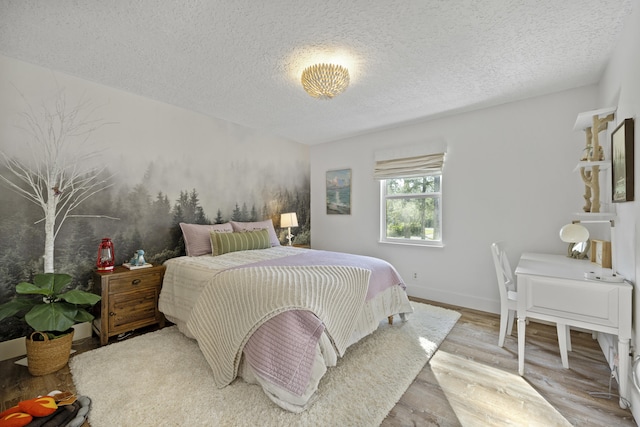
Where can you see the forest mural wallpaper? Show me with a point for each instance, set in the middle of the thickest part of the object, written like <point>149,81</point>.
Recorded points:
<point>141,168</point>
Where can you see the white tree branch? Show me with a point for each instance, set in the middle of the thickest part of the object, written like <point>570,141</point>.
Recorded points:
<point>58,174</point>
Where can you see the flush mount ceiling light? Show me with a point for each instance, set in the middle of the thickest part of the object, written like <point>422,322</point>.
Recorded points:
<point>324,81</point>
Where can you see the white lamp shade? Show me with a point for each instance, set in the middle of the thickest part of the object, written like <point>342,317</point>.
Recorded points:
<point>574,233</point>
<point>288,220</point>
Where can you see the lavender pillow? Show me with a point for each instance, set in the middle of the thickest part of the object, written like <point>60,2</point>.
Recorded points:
<point>197,237</point>
<point>260,225</point>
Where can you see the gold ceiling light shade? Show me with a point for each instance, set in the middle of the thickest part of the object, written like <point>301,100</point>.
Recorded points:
<point>324,81</point>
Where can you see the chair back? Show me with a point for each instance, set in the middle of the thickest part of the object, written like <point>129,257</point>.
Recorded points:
<point>503,270</point>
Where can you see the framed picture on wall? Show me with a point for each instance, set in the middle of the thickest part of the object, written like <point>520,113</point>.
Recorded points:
<point>622,175</point>
<point>338,195</point>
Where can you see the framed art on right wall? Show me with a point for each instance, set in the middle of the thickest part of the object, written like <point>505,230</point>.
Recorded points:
<point>622,162</point>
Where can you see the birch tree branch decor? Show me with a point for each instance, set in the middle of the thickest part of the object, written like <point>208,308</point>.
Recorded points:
<point>59,170</point>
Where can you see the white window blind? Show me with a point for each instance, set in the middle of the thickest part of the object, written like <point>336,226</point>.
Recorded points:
<point>409,167</point>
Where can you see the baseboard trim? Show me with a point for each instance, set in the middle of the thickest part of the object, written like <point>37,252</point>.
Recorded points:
<point>17,347</point>
<point>481,304</point>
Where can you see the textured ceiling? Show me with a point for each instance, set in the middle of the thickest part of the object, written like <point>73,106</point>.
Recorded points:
<point>241,60</point>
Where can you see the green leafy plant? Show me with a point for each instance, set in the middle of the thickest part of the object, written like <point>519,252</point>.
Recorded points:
<point>47,307</point>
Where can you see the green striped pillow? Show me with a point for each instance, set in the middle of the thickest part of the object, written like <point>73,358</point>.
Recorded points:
<point>222,243</point>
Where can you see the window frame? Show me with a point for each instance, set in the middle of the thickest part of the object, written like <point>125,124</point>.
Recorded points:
<point>383,212</point>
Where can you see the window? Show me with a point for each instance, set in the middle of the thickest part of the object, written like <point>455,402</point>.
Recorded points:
<point>411,210</point>
<point>411,194</point>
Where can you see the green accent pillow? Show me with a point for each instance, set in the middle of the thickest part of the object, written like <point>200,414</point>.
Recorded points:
<point>222,243</point>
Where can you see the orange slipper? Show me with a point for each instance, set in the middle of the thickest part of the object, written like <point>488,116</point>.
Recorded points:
<point>39,407</point>
<point>15,419</point>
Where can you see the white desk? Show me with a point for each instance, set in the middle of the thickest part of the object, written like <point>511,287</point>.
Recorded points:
<point>553,288</point>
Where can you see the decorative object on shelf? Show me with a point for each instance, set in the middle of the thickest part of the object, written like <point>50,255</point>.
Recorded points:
<point>138,258</point>
<point>601,253</point>
<point>622,153</point>
<point>588,153</point>
<point>578,238</point>
<point>593,122</point>
<point>338,196</point>
<point>325,81</point>
<point>52,313</point>
<point>106,255</point>
<point>288,220</point>
<point>601,218</point>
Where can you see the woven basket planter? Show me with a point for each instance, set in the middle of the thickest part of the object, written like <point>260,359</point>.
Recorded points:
<point>50,355</point>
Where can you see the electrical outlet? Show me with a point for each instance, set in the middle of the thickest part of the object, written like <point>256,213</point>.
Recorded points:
<point>415,275</point>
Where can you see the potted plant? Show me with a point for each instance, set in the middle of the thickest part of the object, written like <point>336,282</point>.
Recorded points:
<point>51,310</point>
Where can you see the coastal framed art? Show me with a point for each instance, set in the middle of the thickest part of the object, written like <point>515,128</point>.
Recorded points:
<point>622,174</point>
<point>338,193</point>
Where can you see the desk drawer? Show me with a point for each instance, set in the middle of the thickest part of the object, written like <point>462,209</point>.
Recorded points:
<point>575,301</point>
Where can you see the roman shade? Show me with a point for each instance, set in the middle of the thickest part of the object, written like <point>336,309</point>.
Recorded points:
<point>410,162</point>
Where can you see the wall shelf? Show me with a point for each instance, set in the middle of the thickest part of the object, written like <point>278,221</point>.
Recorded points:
<point>593,123</point>
<point>587,217</point>
<point>586,164</point>
<point>585,120</point>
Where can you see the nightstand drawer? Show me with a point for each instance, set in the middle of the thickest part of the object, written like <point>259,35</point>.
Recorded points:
<point>133,310</point>
<point>134,282</point>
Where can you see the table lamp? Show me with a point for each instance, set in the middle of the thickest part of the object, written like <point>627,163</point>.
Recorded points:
<point>578,238</point>
<point>288,220</point>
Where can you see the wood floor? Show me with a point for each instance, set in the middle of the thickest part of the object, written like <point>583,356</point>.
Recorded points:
<point>470,381</point>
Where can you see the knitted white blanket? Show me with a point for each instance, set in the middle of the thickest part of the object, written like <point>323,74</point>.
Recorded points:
<point>236,302</point>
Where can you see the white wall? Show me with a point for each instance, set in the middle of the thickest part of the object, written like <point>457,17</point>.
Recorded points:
<point>620,87</point>
<point>508,176</point>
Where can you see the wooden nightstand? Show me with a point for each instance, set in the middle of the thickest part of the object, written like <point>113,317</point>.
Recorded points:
<point>129,300</point>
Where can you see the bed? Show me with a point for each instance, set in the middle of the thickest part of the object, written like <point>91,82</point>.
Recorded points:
<point>277,316</point>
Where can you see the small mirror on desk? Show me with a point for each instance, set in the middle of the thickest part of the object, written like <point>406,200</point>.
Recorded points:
<point>578,250</point>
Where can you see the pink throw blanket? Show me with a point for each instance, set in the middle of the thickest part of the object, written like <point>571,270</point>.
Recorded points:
<point>285,359</point>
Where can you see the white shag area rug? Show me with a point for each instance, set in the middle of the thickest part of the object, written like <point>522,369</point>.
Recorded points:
<point>162,379</point>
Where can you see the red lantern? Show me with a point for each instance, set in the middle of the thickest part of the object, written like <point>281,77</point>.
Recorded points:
<point>106,256</point>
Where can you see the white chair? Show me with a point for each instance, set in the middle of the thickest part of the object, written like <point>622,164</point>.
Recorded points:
<point>509,301</point>
<point>507,289</point>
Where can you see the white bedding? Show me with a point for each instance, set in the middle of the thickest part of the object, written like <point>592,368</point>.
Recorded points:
<point>186,278</point>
